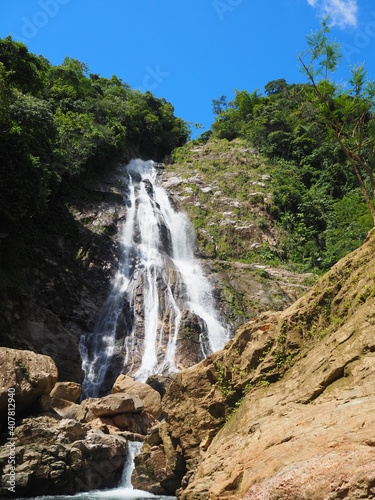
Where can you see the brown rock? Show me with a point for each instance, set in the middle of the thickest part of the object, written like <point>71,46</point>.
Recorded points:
<point>108,406</point>
<point>295,392</point>
<point>151,399</point>
<point>29,374</point>
<point>67,391</point>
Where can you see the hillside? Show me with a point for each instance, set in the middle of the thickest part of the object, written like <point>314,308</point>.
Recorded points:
<point>286,409</point>
<point>227,190</point>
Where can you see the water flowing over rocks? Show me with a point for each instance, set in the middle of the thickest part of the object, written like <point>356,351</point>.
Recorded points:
<point>161,304</point>
<point>286,409</point>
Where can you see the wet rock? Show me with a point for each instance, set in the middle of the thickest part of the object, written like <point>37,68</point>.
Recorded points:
<point>192,331</point>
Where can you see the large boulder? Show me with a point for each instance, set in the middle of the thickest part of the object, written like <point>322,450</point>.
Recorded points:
<point>30,375</point>
<point>54,456</point>
<point>151,399</point>
<point>108,406</point>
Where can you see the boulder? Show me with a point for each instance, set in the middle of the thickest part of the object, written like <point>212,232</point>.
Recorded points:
<point>30,375</point>
<point>54,456</point>
<point>150,397</point>
<point>108,406</point>
<point>67,391</point>
<point>63,398</point>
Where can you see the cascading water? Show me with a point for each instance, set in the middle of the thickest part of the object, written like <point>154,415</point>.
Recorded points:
<point>158,293</point>
<point>134,448</point>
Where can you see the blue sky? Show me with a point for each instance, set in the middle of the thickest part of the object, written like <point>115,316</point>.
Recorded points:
<point>189,52</point>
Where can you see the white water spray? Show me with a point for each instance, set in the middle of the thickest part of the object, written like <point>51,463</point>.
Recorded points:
<point>158,263</point>
<point>134,448</point>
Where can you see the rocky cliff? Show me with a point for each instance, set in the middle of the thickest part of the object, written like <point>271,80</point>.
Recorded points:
<point>286,409</point>
<point>57,276</point>
<point>62,272</point>
<point>226,188</point>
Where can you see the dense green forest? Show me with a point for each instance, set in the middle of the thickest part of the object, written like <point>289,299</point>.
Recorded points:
<point>320,138</point>
<point>59,124</point>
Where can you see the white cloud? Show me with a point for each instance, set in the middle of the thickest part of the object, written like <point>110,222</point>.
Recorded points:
<point>342,13</point>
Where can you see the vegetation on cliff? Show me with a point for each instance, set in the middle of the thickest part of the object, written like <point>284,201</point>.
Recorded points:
<point>319,139</point>
<point>60,123</point>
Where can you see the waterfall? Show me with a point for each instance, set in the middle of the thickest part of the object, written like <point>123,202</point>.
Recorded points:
<point>134,448</point>
<point>160,301</point>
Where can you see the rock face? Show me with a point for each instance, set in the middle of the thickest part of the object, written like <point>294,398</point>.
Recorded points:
<point>55,456</point>
<point>159,466</point>
<point>40,330</point>
<point>65,276</point>
<point>286,410</point>
<point>150,398</point>
<point>31,375</point>
<point>226,189</point>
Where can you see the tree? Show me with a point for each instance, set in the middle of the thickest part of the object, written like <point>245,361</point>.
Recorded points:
<point>26,71</point>
<point>275,86</point>
<point>348,114</point>
<point>219,105</point>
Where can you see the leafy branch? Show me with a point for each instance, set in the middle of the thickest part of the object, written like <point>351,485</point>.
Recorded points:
<point>348,114</point>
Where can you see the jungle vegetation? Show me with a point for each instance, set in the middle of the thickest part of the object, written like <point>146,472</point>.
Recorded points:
<point>320,137</point>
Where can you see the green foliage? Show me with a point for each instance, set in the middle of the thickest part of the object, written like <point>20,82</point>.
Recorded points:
<point>346,109</point>
<point>311,148</point>
<point>347,226</point>
<point>58,124</point>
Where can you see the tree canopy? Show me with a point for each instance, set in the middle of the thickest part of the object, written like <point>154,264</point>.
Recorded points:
<point>61,123</point>
<point>347,110</point>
